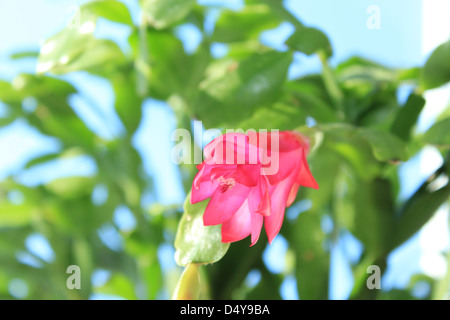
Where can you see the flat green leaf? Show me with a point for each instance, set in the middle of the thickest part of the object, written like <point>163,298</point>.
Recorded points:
<point>385,146</point>
<point>244,25</point>
<point>128,102</point>
<point>310,95</point>
<point>439,134</point>
<point>309,41</point>
<point>109,9</point>
<point>358,68</point>
<point>407,117</point>
<point>69,128</point>
<point>230,96</point>
<point>279,116</point>
<point>72,187</point>
<point>53,115</point>
<point>72,152</point>
<point>417,212</point>
<point>350,146</point>
<point>42,86</point>
<point>164,13</point>
<point>167,68</point>
<point>436,71</point>
<point>49,93</point>
<point>412,74</point>
<point>366,208</point>
<point>24,55</point>
<point>8,93</point>
<point>12,215</point>
<point>194,242</point>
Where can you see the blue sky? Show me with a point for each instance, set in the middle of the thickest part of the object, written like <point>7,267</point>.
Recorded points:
<point>398,43</point>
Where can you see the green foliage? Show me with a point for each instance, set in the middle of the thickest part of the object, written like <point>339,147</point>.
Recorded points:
<point>75,48</point>
<point>163,13</point>
<point>309,41</point>
<point>407,117</point>
<point>112,10</point>
<point>439,134</point>
<point>233,91</point>
<point>436,71</point>
<point>244,25</point>
<point>360,135</point>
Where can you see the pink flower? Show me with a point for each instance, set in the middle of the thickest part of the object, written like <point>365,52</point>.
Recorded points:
<point>251,179</point>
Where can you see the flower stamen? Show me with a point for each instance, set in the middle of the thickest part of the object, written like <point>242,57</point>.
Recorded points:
<point>226,184</point>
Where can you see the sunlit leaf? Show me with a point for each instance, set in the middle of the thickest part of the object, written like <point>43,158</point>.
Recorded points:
<point>75,48</point>
<point>109,9</point>
<point>163,13</point>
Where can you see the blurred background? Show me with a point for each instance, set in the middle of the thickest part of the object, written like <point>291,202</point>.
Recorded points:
<point>86,121</point>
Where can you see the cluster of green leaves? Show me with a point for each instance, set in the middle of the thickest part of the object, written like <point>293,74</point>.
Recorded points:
<point>361,135</point>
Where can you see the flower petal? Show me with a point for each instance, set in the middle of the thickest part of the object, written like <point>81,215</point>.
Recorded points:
<point>248,174</point>
<point>204,191</point>
<point>224,203</point>
<point>239,226</point>
<point>279,196</point>
<point>264,204</point>
<point>305,177</point>
<point>284,163</point>
<point>257,222</point>
<point>292,194</point>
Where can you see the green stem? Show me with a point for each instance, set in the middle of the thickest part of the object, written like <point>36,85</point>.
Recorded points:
<point>142,63</point>
<point>331,84</point>
<point>188,287</point>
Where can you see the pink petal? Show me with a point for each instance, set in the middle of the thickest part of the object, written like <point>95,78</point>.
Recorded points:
<point>225,171</point>
<point>305,177</point>
<point>203,175</point>
<point>288,162</point>
<point>264,204</point>
<point>239,226</point>
<point>257,222</point>
<point>279,196</point>
<point>224,204</point>
<point>292,194</point>
<point>205,190</point>
<point>245,221</point>
<point>223,148</point>
<point>248,174</point>
<point>202,187</point>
